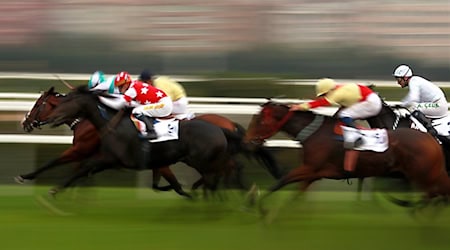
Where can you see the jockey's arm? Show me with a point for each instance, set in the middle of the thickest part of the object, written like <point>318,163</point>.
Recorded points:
<point>322,101</point>
<point>413,95</point>
<point>114,102</point>
<point>319,102</point>
<point>103,86</point>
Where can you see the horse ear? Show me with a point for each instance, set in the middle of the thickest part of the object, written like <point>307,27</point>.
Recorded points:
<point>371,86</point>
<point>51,90</point>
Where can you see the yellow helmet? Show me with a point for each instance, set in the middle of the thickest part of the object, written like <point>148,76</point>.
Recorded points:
<point>324,85</point>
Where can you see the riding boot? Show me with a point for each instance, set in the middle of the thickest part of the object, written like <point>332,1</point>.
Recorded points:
<point>351,155</point>
<point>425,122</point>
<point>150,131</point>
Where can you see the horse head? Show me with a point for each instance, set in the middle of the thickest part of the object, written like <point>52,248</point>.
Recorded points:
<point>75,105</point>
<point>271,118</point>
<point>82,103</point>
<point>42,109</point>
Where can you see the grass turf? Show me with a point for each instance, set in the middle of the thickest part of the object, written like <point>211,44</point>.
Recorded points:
<point>131,218</point>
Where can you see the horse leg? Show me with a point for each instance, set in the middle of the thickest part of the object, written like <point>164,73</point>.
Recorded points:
<point>157,172</point>
<point>295,175</point>
<point>69,155</point>
<point>92,167</point>
<point>303,174</point>
<point>173,182</point>
<point>198,183</point>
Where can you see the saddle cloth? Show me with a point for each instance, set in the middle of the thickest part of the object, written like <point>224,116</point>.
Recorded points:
<point>372,139</point>
<point>442,125</point>
<point>166,129</point>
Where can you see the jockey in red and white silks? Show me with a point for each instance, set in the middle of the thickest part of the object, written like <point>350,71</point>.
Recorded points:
<point>153,102</point>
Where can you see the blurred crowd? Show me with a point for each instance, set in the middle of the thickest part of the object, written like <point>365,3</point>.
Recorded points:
<point>412,27</point>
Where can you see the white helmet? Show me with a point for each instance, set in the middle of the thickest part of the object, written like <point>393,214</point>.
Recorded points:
<point>324,85</point>
<point>402,71</point>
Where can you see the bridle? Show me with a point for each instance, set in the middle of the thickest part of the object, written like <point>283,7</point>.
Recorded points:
<point>274,129</point>
<point>36,123</point>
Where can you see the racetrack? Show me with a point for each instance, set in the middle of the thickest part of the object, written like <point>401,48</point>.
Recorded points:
<point>132,218</point>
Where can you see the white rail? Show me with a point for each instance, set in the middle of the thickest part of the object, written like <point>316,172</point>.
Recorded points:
<point>67,139</point>
<point>220,105</point>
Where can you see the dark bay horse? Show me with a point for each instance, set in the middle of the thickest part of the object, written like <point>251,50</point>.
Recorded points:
<point>417,155</point>
<point>86,142</point>
<point>399,117</point>
<point>201,145</point>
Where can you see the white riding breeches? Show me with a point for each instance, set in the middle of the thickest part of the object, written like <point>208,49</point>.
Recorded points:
<point>180,106</point>
<point>160,109</point>
<point>362,110</point>
<point>436,109</point>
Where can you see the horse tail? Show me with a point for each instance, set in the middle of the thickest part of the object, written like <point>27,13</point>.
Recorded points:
<point>239,129</point>
<point>261,154</point>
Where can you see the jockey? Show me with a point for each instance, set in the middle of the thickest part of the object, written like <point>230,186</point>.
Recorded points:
<point>423,96</point>
<point>147,101</point>
<point>356,101</point>
<point>173,89</point>
<point>98,82</point>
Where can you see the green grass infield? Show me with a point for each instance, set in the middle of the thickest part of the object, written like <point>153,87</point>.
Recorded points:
<point>132,218</point>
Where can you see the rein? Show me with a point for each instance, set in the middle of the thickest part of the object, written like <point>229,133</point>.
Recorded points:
<point>278,125</point>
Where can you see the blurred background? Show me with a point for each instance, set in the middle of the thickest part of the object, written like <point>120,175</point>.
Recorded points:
<point>346,39</point>
<point>226,48</point>
<point>230,48</point>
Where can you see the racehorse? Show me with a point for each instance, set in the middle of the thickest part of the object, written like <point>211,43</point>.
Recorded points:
<point>417,155</point>
<point>86,142</point>
<point>399,117</point>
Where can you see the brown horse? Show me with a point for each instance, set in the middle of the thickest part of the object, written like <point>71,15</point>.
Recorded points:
<point>86,143</point>
<point>417,155</point>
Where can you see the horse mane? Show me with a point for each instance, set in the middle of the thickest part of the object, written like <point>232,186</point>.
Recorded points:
<point>286,105</point>
<point>84,89</point>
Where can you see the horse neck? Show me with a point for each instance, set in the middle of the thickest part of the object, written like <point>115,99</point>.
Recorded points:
<point>106,119</point>
<point>303,124</point>
<point>71,123</point>
<point>387,118</point>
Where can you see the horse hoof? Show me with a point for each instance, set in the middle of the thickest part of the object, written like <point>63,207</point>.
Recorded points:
<point>19,179</point>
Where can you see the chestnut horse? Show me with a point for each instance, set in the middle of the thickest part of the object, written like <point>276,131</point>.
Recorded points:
<point>415,154</point>
<point>86,143</point>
